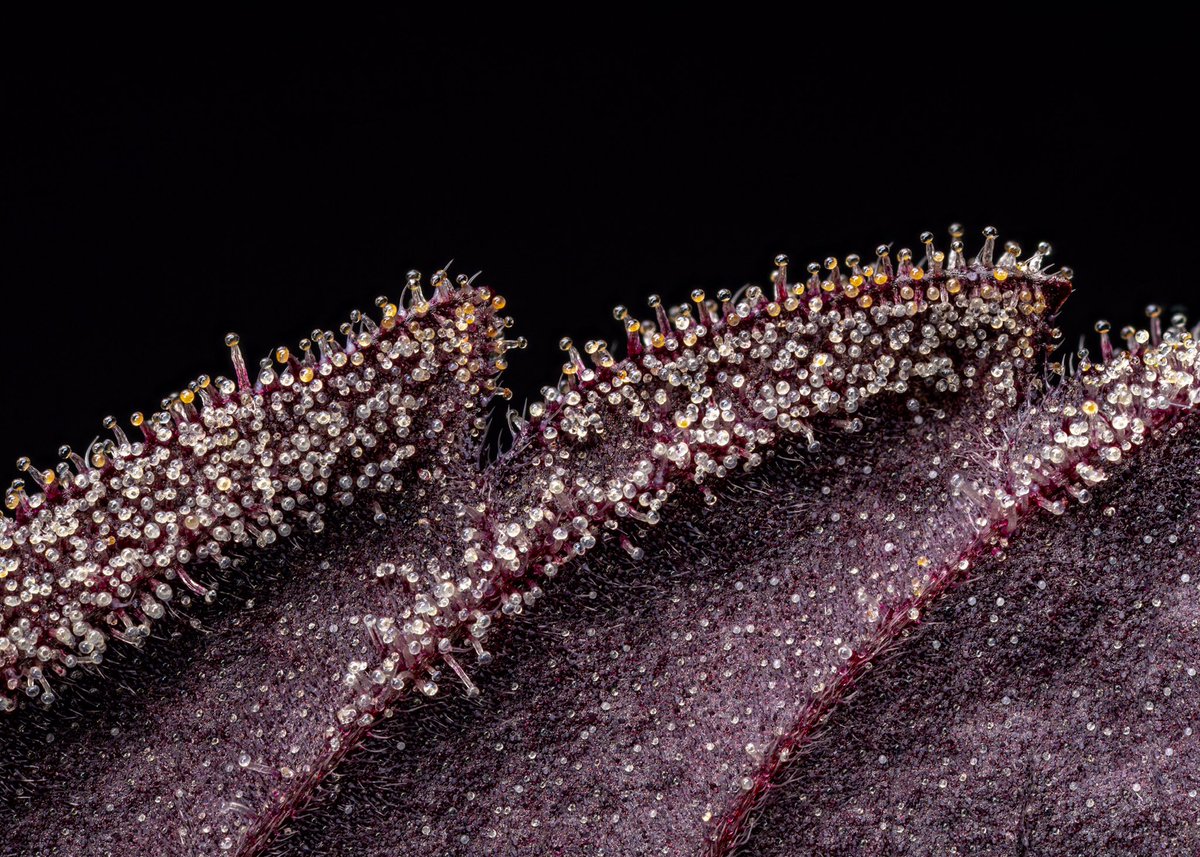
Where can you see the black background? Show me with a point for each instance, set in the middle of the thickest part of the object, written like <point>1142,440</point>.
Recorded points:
<point>152,203</point>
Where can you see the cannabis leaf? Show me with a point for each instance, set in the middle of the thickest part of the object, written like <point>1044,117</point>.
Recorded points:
<point>831,567</point>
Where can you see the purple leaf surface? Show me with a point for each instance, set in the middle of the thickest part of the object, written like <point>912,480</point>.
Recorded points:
<point>832,568</point>
<point>1047,707</point>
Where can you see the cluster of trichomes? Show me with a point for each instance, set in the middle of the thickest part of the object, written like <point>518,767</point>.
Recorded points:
<point>96,552</point>
<point>107,543</point>
<point>104,547</point>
